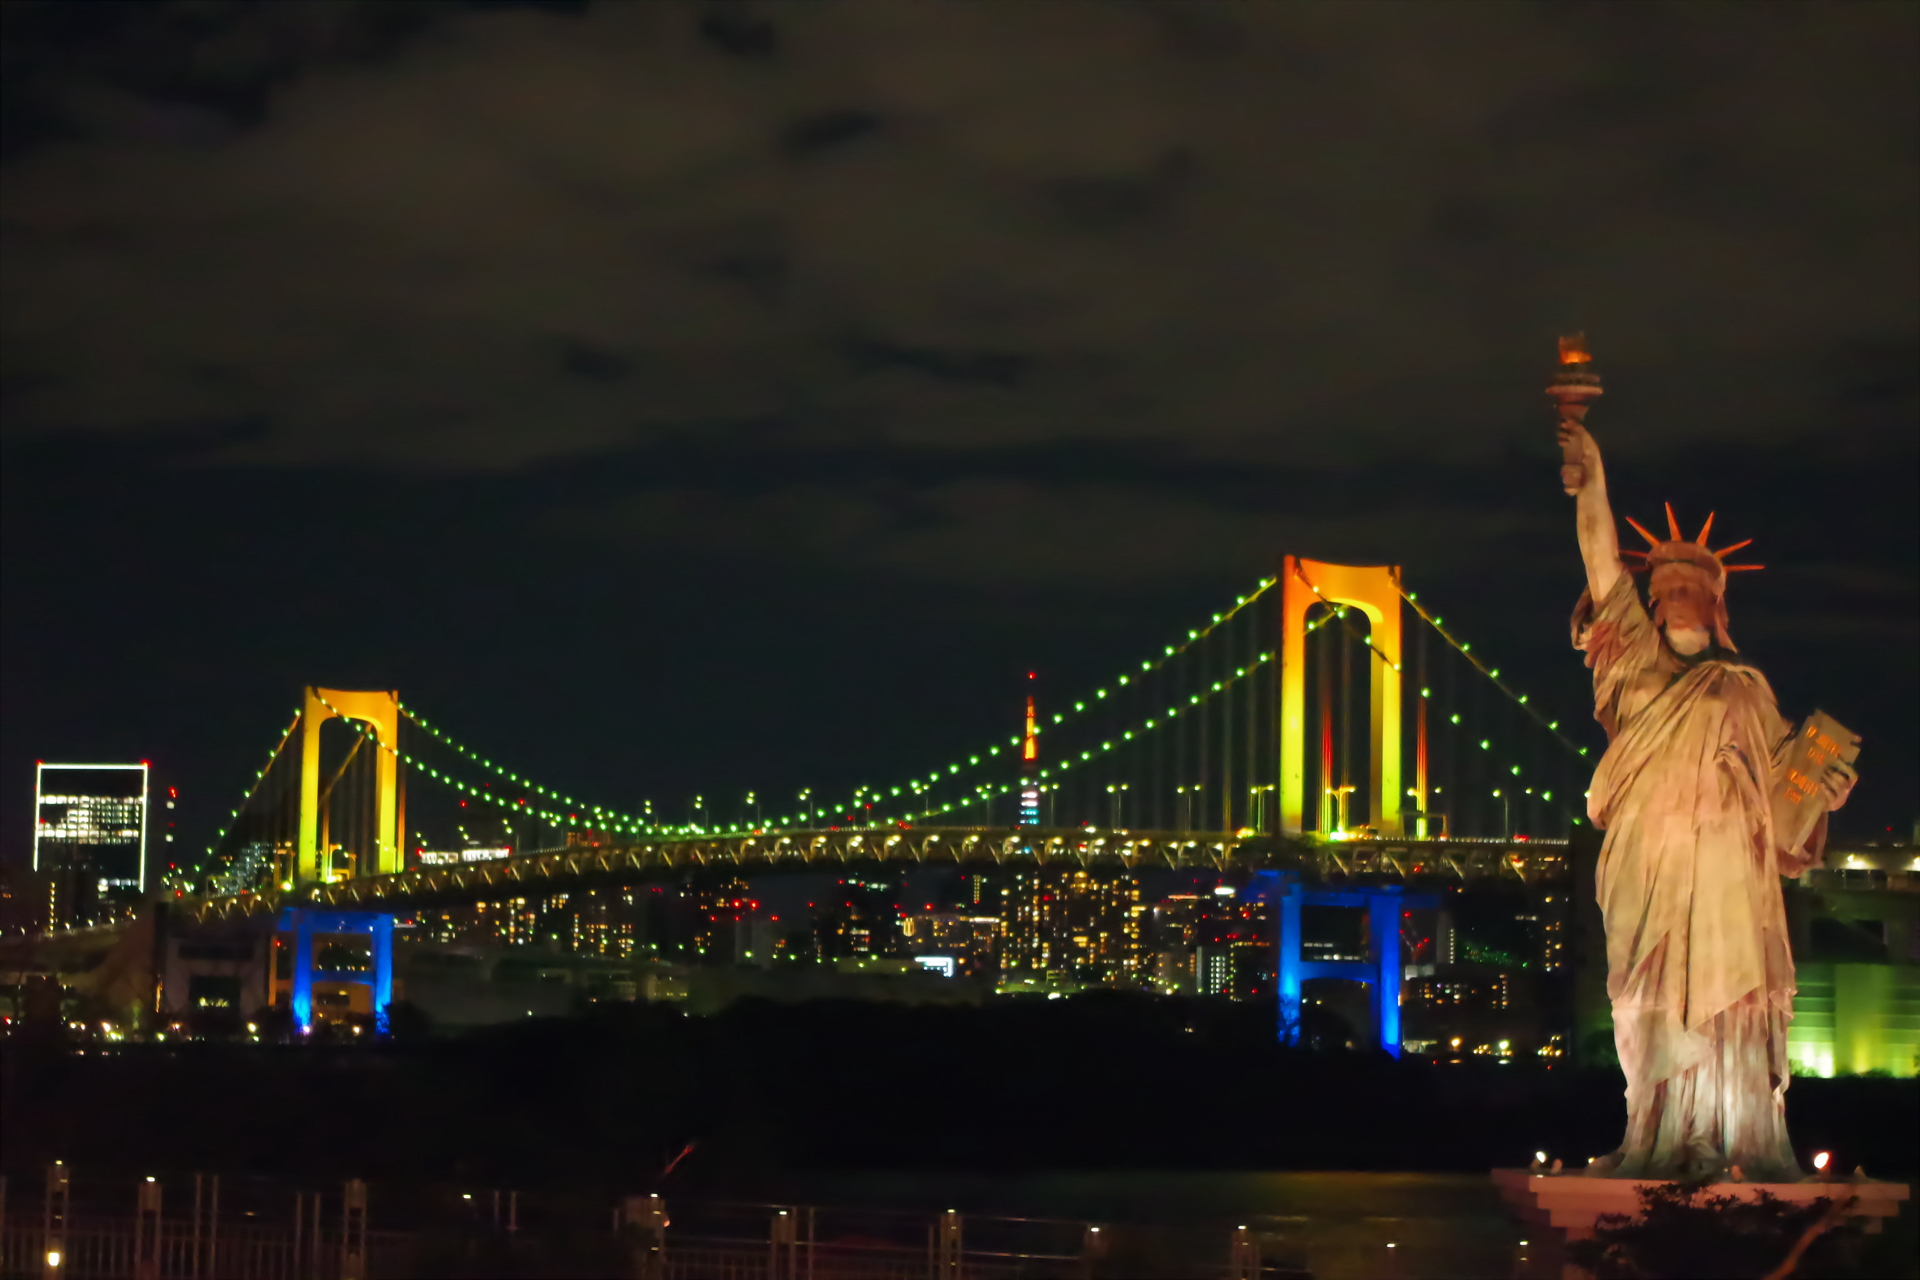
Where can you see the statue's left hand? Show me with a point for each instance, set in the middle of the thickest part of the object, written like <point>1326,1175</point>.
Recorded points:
<point>1837,783</point>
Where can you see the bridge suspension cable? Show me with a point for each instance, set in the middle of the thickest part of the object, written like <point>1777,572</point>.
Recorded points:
<point>573,820</point>
<point>253,787</point>
<point>1464,650</point>
<point>621,820</point>
<point>1520,700</point>
<point>1492,674</point>
<point>917,786</point>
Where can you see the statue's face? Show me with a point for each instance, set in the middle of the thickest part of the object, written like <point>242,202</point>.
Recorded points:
<point>1683,607</point>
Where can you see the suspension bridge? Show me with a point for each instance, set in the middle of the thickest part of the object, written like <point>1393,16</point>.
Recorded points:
<point>1326,724</point>
<point>1290,714</point>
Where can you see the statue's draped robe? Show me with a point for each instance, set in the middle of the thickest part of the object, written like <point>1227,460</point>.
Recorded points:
<point>1698,965</point>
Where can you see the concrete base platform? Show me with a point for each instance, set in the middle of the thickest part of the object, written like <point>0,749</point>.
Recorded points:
<point>1564,1207</point>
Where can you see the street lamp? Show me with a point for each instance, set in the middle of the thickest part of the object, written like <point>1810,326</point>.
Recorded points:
<point>1188,797</point>
<point>753,810</point>
<point>1116,793</point>
<point>1506,811</point>
<point>698,816</point>
<point>1257,805</point>
<point>1342,798</point>
<point>806,804</point>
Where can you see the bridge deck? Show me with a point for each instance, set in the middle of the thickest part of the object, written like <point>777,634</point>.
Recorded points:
<point>587,866</point>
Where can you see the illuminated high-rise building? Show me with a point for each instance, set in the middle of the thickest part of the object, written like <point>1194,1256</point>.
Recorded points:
<point>1212,944</point>
<point>718,912</point>
<point>1075,926</point>
<point>90,839</point>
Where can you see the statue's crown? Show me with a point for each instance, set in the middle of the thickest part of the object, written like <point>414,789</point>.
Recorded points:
<point>1679,550</point>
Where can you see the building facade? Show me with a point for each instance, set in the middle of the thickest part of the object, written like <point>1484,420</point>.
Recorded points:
<point>90,840</point>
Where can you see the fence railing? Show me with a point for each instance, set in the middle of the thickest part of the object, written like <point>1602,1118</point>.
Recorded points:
<point>314,1235</point>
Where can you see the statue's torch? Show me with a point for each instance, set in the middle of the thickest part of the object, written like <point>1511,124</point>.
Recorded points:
<point>1574,384</point>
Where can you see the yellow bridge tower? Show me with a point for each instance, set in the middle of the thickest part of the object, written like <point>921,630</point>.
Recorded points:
<point>379,709</point>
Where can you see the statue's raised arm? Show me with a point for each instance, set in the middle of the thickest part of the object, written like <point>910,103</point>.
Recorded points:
<point>1586,480</point>
<point>1574,387</point>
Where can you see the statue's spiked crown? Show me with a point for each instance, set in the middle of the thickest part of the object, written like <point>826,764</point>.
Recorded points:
<point>1677,553</point>
<point>1676,549</point>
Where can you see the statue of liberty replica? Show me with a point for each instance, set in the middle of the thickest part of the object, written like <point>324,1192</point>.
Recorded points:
<point>1706,797</point>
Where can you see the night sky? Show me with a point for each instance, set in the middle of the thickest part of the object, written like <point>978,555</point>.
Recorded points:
<point>675,397</point>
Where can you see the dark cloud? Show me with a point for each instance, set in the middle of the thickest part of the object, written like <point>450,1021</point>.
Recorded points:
<point>1298,233</point>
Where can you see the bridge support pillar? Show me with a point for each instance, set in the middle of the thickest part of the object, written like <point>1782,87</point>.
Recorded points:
<point>304,924</point>
<point>1380,972</point>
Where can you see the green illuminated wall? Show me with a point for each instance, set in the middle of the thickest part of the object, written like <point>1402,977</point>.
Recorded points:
<point>1849,1019</point>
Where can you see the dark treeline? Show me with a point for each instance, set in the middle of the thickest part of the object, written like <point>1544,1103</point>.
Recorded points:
<point>1102,1081</point>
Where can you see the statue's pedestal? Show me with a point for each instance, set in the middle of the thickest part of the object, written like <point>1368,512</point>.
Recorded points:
<point>1563,1207</point>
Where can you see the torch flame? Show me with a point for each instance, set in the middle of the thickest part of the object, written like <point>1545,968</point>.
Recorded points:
<point>1573,349</point>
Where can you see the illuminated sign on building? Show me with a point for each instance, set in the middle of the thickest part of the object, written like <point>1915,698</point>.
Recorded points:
<point>454,857</point>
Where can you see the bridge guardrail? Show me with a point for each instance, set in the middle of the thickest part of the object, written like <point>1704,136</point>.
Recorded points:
<point>1524,860</point>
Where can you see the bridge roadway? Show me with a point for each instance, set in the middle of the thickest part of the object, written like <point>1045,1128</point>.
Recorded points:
<point>585,866</point>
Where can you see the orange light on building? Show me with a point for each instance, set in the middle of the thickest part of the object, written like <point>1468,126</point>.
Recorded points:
<point>1573,349</point>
